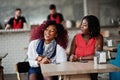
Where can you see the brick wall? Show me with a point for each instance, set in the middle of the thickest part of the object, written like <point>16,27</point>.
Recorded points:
<point>14,43</point>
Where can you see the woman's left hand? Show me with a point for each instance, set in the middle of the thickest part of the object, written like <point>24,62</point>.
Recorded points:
<point>45,61</point>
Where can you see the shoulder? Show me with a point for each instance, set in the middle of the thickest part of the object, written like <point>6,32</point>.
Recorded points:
<point>34,42</point>
<point>22,17</point>
<point>10,21</point>
<point>12,18</point>
<point>78,35</point>
<point>48,15</point>
<point>60,48</point>
<point>99,37</point>
<point>59,14</point>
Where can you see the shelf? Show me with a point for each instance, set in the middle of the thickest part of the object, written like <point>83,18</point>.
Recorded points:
<point>14,30</point>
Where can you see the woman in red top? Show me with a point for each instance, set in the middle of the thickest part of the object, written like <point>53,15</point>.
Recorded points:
<point>87,42</point>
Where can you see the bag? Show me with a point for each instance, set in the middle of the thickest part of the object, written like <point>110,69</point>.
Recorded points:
<point>23,67</point>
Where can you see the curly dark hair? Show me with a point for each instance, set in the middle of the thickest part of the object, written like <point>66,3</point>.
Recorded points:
<point>93,25</point>
<point>62,34</point>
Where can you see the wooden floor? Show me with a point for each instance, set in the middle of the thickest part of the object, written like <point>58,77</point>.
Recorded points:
<point>24,76</point>
<point>14,77</point>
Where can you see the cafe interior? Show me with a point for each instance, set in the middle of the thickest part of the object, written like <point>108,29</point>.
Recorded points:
<point>14,42</point>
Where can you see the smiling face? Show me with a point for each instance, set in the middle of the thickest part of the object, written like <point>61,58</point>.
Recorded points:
<point>84,27</point>
<point>50,33</point>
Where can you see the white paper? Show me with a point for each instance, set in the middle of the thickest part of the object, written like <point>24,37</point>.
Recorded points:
<point>102,57</point>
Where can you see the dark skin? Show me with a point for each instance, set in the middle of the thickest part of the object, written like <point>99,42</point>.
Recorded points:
<point>49,34</point>
<point>86,37</point>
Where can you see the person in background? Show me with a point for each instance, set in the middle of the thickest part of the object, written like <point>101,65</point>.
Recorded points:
<point>17,22</point>
<point>86,43</point>
<point>58,17</point>
<point>47,46</point>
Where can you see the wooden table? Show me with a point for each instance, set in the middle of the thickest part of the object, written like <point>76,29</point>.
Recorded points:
<point>76,70</point>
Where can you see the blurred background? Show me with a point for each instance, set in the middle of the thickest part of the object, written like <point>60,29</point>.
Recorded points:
<point>36,11</point>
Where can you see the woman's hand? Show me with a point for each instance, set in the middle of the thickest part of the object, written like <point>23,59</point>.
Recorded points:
<point>73,58</point>
<point>39,58</point>
<point>45,61</point>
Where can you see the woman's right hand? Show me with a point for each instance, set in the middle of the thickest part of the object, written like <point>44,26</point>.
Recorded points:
<point>39,58</point>
<point>44,61</point>
<point>73,58</point>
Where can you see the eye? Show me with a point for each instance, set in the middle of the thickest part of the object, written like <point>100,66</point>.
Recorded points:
<point>52,30</point>
<point>85,25</point>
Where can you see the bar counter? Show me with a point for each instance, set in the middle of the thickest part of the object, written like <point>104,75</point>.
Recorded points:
<point>13,30</point>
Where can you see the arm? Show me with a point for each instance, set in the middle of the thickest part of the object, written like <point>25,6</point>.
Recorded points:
<point>73,47</point>
<point>99,43</point>
<point>48,17</point>
<point>32,54</point>
<point>9,23</point>
<point>7,27</point>
<point>62,19</point>
<point>71,55</point>
<point>25,26</point>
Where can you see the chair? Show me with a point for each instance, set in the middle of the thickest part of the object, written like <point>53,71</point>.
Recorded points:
<point>116,62</point>
<point>21,67</point>
<point>1,73</point>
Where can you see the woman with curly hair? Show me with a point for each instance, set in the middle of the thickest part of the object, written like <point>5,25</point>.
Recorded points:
<point>87,42</point>
<point>48,44</point>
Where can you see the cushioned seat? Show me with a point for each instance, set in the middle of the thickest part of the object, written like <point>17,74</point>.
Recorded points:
<point>116,62</point>
<point>21,67</point>
<point>1,73</point>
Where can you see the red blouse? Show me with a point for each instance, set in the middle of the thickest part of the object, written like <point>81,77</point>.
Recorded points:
<point>83,49</point>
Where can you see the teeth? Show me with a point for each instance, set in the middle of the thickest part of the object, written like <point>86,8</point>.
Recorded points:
<point>47,35</point>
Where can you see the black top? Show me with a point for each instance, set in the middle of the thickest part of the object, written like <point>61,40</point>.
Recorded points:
<point>55,15</point>
<point>11,21</point>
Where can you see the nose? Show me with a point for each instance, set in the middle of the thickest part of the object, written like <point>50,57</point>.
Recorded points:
<point>47,31</point>
<point>82,27</point>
